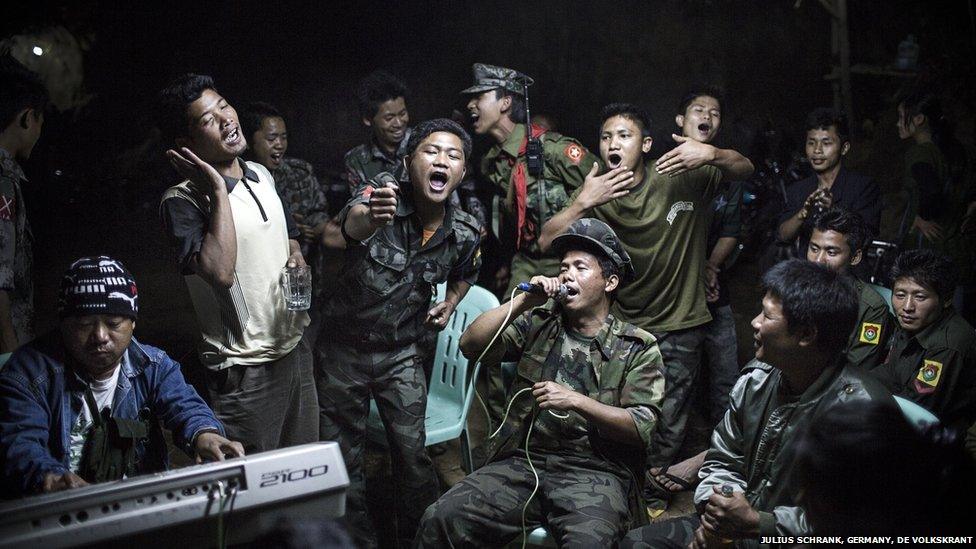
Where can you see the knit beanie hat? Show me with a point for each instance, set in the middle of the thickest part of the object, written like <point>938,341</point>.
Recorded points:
<point>98,286</point>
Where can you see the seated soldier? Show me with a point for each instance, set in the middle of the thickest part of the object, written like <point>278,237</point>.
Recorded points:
<point>747,488</point>
<point>82,404</point>
<point>932,360</point>
<point>570,454</point>
<point>837,241</point>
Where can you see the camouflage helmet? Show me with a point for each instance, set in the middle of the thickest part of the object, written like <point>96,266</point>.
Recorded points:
<point>490,77</point>
<point>590,232</point>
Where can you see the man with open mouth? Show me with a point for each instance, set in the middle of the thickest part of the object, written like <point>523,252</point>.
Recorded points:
<point>932,360</point>
<point>233,236</point>
<point>660,210</point>
<point>382,100</point>
<point>528,196</point>
<point>403,239</point>
<point>584,404</point>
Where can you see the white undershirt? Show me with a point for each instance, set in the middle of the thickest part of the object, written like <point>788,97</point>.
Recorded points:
<point>104,392</point>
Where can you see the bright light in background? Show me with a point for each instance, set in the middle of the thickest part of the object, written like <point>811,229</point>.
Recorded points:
<point>38,50</point>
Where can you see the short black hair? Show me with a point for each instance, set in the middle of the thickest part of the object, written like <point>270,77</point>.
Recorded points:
<point>173,100</point>
<point>629,111</point>
<point>427,127</point>
<point>927,268</point>
<point>254,114</point>
<point>813,296</point>
<point>706,91</point>
<point>377,88</point>
<point>823,118</point>
<point>850,224</point>
<point>517,111</point>
<point>20,89</point>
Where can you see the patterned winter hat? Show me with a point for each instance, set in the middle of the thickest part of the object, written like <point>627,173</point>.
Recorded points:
<point>98,286</point>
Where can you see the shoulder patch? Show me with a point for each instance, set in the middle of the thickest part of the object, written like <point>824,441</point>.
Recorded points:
<point>928,376</point>
<point>467,220</point>
<point>574,153</point>
<point>870,333</point>
<point>630,331</point>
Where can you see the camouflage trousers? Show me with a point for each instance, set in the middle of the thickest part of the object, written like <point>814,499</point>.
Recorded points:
<point>579,505</point>
<point>722,361</point>
<point>676,533</point>
<point>346,379</point>
<point>681,351</point>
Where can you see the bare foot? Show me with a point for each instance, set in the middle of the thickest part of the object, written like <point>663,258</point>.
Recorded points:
<point>680,476</point>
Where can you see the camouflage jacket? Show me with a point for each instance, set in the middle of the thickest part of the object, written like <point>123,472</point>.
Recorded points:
<point>629,374</point>
<point>382,295</point>
<point>566,163</point>
<point>300,190</point>
<point>752,447</point>
<point>16,255</point>
<point>368,160</point>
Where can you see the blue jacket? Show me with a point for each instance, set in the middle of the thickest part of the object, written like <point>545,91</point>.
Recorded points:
<point>36,412</point>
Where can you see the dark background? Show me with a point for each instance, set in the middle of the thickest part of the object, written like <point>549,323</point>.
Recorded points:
<point>97,172</point>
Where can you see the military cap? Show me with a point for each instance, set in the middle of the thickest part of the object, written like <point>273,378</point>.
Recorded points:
<point>590,232</point>
<point>490,77</point>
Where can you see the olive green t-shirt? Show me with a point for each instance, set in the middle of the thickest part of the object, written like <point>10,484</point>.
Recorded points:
<point>663,225</point>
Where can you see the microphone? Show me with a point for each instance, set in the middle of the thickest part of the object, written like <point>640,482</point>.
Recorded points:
<point>530,288</point>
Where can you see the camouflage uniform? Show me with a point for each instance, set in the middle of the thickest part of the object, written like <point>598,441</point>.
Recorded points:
<point>297,186</point>
<point>16,255</point>
<point>589,492</point>
<point>368,347</point>
<point>368,160</point>
<point>566,163</point>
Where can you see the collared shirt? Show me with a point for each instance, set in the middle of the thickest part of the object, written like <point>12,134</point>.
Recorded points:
<point>248,323</point>
<point>382,295</point>
<point>565,165</point>
<point>16,254</point>
<point>627,372</point>
<point>368,160</point>
<point>187,224</point>
<point>935,368</point>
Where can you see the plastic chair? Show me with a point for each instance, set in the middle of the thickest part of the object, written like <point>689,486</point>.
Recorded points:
<point>451,388</point>
<point>885,293</point>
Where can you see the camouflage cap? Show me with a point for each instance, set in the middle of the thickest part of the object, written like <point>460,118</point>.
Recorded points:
<point>490,77</point>
<point>595,232</point>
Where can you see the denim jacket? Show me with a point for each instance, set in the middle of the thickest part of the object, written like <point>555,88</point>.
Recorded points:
<point>37,389</point>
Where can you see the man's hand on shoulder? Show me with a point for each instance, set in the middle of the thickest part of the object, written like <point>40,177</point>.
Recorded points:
<point>56,482</point>
<point>688,155</point>
<point>211,446</point>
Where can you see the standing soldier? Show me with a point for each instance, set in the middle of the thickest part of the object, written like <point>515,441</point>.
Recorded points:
<point>383,108</point>
<point>265,129</point>
<point>403,241</point>
<point>535,175</point>
<point>22,102</point>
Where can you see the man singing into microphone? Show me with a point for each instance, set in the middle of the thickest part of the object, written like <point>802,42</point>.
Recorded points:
<point>586,398</point>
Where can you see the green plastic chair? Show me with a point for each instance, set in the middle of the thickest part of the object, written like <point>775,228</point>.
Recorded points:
<point>451,388</point>
<point>885,294</point>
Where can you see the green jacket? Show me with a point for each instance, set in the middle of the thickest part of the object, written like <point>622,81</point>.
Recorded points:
<point>629,370</point>
<point>751,447</point>
<point>566,163</point>
<point>936,369</point>
<point>873,330</point>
